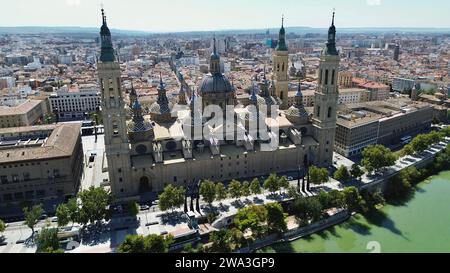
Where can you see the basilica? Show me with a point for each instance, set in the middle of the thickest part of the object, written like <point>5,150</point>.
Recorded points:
<point>176,143</point>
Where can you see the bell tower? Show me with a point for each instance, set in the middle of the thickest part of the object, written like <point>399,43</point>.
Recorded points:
<point>280,68</point>
<point>117,146</point>
<point>326,99</point>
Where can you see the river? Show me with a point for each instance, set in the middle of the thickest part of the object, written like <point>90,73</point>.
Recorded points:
<point>421,224</point>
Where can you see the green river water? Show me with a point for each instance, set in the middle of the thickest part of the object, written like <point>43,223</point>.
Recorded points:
<point>421,224</point>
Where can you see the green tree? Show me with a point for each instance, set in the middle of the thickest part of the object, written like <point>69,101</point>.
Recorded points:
<point>246,189</point>
<point>221,192</point>
<point>157,243</point>
<point>2,226</point>
<point>47,241</point>
<point>407,150</point>
<point>171,198</point>
<point>235,189</point>
<point>318,175</point>
<point>74,210</point>
<point>271,184</point>
<point>208,191</point>
<point>276,218</point>
<point>420,143</point>
<point>378,157</point>
<point>63,214</point>
<point>150,244</point>
<point>94,205</point>
<point>283,183</point>
<point>353,199</point>
<point>342,174</point>
<point>336,199</point>
<point>255,187</point>
<point>356,171</point>
<point>253,218</point>
<point>308,208</point>
<point>226,240</point>
<point>32,216</point>
<point>324,199</point>
<point>133,209</point>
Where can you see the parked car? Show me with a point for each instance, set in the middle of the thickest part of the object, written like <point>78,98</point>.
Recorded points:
<point>54,219</point>
<point>144,207</point>
<point>3,243</point>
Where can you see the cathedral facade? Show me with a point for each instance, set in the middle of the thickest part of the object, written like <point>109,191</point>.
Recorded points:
<point>178,144</point>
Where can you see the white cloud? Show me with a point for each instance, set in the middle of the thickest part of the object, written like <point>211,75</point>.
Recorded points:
<point>72,3</point>
<point>373,2</point>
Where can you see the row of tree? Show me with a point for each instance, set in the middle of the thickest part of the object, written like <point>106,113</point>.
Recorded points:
<point>344,174</point>
<point>257,220</point>
<point>422,142</point>
<point>146,244</point>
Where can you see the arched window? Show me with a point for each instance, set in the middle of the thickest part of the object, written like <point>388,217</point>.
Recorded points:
<point>329,112</point>
<point>333,77</point>
<point>326,77</point>
<point>283,68</point>
<point>318,111</point>
<point>320,76</point>
<point>278,67</point>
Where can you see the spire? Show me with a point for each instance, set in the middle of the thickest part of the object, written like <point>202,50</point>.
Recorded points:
<point>331,44</point>
<point>282,38</point>
<point>162,96</point>
<point>182,96</point>
<point>253,97</point>
<point>215,60</point>
<point>107,50</point>
<point>133,95</point>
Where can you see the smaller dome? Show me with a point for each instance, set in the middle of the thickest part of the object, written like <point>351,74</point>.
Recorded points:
<point>159,109</point>
<point>216,83</point>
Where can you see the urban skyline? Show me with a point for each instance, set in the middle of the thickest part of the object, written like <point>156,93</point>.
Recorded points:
<point>159,16</point>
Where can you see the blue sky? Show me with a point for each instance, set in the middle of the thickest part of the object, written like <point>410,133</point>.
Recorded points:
<point>187,15</point>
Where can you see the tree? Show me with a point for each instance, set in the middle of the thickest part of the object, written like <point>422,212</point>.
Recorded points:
<point>74,210</point>
<point>377,157</point>
<point>221,192</point>
<point>255,187</point>
<point>356,171</point>
<point>48,241</point>
<point>310,208</point>
<point>276,218</point>
<point>342,174</point>
<point>318,175</point>
<point>94,205</point>
<point>172,198</point>
<point>208,191</point>
<point>283,183</point>
<point>157,243</point>
<point>32,216</point>
<point>407,150</point>
<point>271,184</point>
<point>420,143</point>
<point>2,226</point>
<point>252,218</point>
<point>336,199</point>
<point>63,215</point>
<point>246,189</point>
<point>150,244</point>
<point>324,199</point>
<point>133,209</point>
<point>353,199</point>
<point>226,240</point>
<point>235,189</point>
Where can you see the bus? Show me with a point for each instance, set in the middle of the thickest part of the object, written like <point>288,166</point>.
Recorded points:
<point>406,140</point>
<point>182,239</point>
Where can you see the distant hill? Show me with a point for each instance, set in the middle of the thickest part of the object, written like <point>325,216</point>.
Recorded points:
<point>296,30</point>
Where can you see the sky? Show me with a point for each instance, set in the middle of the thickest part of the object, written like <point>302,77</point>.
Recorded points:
<point>198,15</point>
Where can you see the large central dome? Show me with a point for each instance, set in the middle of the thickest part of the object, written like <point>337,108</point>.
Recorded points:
<point>216,83</point>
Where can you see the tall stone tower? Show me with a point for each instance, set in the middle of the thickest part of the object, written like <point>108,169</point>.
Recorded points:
<point>113,108</point>
<point>326,99</point>
<point>281,67</point>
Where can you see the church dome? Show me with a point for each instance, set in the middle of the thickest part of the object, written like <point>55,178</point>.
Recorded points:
<point>217,83</point>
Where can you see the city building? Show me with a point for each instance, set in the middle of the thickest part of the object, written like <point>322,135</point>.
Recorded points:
<point>40,163</point>
<point>177,144</point>
<point>17,113</point>
<point>72,103</point>
<point>387,122</point>
<point>402,85</point>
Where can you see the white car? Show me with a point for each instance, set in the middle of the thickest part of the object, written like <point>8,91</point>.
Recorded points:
<point>54,219</point>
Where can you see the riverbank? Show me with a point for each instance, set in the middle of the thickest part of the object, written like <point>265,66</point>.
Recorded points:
<point>419,224</point>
